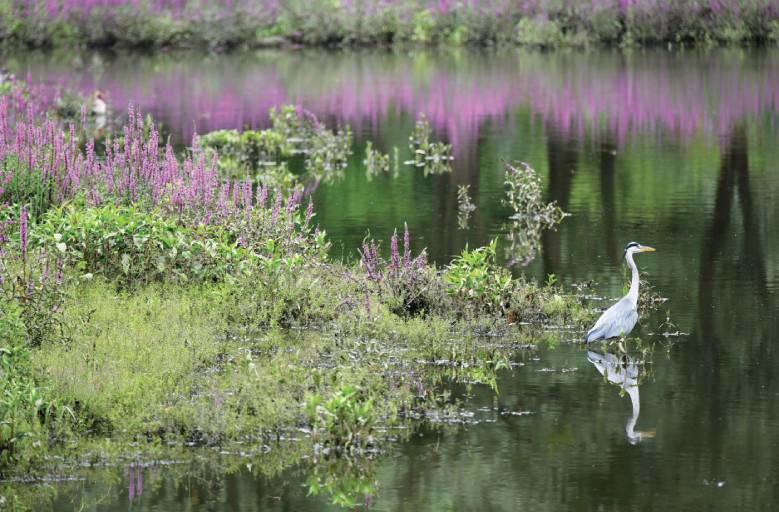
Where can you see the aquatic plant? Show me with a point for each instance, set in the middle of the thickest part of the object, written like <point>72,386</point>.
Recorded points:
<point>432,157</point>
<point>264,154</point>
<point>465,206</point>
<point>375,161</point>
<point>531,215</point>
<point>403,282</point>
<point>344,480</point>
<point>345,419</point>
<point>474,277</point>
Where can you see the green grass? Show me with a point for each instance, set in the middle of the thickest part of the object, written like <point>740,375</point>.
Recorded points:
<point>163,361</point>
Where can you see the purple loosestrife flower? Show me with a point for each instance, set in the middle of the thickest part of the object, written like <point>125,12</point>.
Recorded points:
<point>224,197</point>
<point>406,247</point>
<point>309,211</point>
<point>293,201</point>
<point>276,208</point>
<point>262,196</point>
<point>246,198</point>
<point>394,256</point>
<point>236,193</point>
<point>369,259</point>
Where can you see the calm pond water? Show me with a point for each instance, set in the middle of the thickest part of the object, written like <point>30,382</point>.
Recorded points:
<point>678,150</point>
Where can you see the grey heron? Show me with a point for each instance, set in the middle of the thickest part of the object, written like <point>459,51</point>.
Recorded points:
<point>620,318</point>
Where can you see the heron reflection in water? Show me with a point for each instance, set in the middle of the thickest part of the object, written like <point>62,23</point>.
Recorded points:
<point>623,371</point>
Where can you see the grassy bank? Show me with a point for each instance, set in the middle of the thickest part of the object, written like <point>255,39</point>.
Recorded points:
<point>155,301</point>
<point>547,23</point>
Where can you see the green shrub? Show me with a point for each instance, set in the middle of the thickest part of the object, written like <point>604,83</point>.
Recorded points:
<point>424,27</point>
<point>346,419</point>
<point>31,280</point>
<point>133,246</point>
<point>23,408</point>
<point>539,31</point>
<point>474,277</point>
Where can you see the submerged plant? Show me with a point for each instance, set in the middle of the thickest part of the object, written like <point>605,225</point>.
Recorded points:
<point>345,481</point>
<point>375,161</point>
<point>346,419</point>
<point>265,154</point>
<point>432,157</point>
<point>530,217</point>
<point>465,206</point>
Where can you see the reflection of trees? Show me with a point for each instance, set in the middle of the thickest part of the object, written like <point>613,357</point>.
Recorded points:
<point>465,171</point>
<point>563,155</point>
<point>733,180</point>
<point>608,151</point>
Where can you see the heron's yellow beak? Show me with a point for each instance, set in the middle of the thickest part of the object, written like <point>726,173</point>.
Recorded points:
<point>646,248</point>
<point>647,434</point>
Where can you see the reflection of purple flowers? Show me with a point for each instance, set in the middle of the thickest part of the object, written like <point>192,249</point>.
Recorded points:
<point>134,473</point>
<point>676,94</point>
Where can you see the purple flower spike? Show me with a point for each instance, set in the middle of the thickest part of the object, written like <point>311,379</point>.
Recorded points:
<point>406,247</point>
<point>309,211</point>
<point>394,256</point>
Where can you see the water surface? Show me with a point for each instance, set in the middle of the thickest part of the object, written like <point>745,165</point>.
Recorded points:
<point>673,149</point>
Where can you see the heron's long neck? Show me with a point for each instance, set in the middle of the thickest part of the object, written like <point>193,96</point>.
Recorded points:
<point>633,293</point>
<point>636,403</point>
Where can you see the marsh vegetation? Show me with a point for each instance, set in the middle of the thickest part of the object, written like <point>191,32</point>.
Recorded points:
<point>161,299</point>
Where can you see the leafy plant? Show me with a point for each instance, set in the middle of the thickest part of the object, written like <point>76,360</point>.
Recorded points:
<point>531,215</point>
<point>346,419</point>
<point>32,279</point>
<point>404,281</point>
<point>474,277</point>
<point>23,408</point>
<point>375,161</point>
<point>265,154</point>
<point>432,156</point>
<point>134,246</point>
<point>465,206</point>
<point>344,480</point>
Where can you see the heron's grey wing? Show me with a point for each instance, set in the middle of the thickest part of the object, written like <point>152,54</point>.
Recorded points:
<point>608,365</point>
<point>618,320</point>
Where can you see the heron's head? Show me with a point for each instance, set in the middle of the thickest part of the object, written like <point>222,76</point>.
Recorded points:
<point>634,247</point>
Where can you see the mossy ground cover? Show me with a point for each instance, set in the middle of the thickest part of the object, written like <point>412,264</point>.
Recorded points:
<point>153,303</point>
